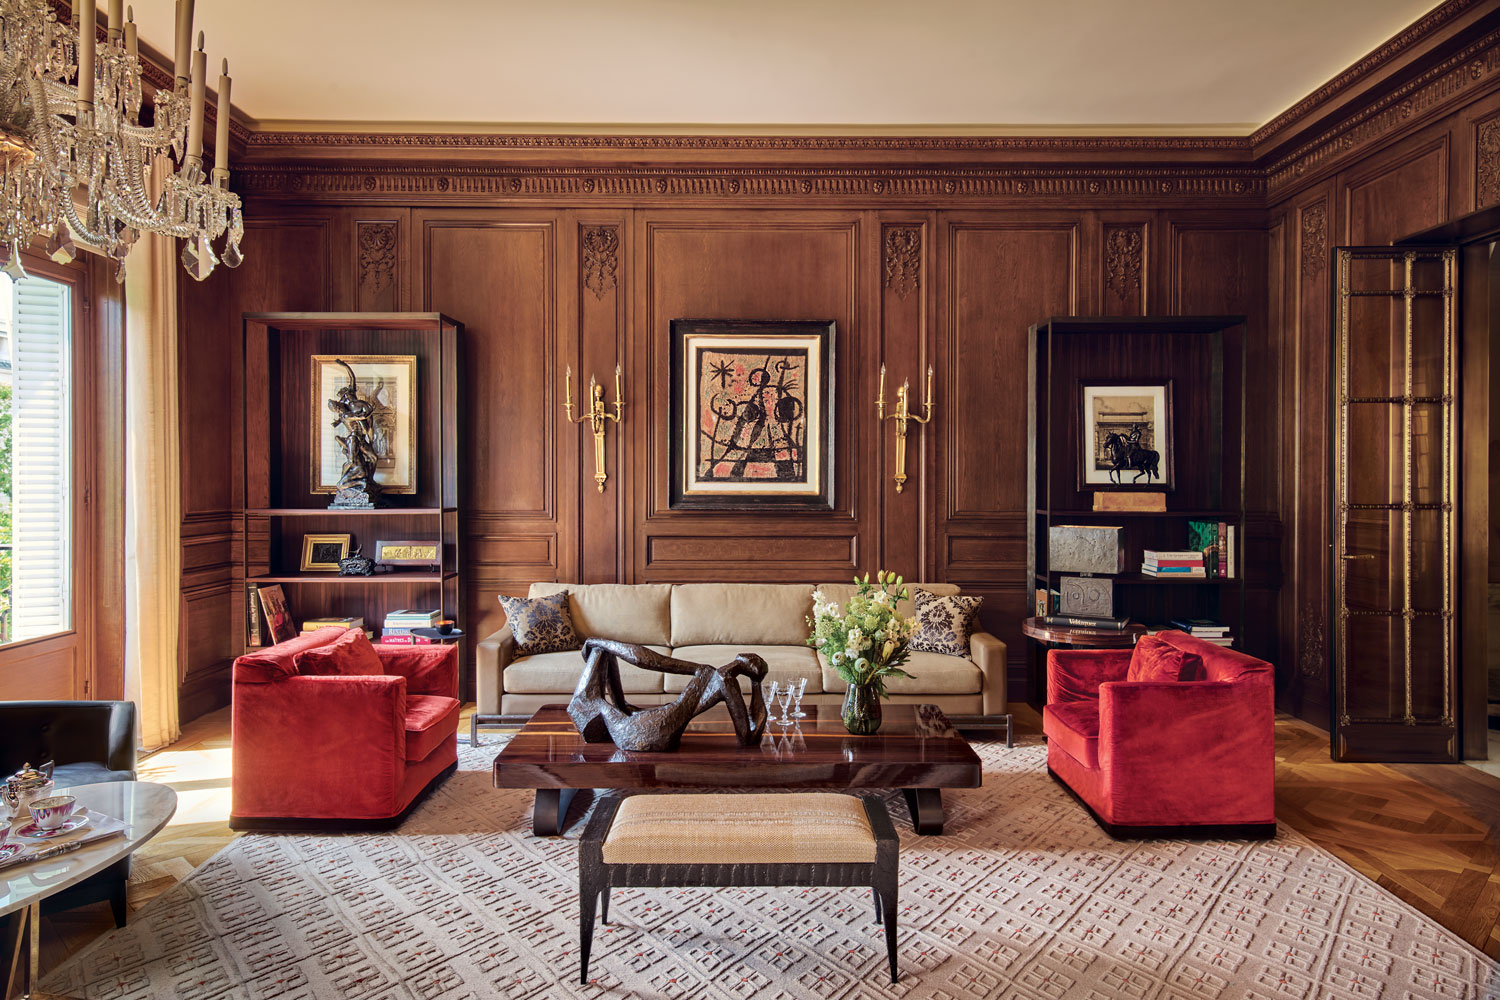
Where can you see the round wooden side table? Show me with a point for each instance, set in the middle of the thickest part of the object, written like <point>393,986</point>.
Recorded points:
<point>1082,638</point>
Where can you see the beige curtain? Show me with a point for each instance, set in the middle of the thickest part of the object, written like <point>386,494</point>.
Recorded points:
<point>153,504</point>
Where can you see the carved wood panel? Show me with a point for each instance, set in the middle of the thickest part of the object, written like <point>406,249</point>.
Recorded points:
<point>496,272</point>
<point>904,256</point>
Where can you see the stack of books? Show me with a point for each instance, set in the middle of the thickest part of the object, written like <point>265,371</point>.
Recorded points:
<point>398,625</point>
<point>1184,564</point>
<point>1206,629</point>
<point>1215,540</point>
<point>313,624</point>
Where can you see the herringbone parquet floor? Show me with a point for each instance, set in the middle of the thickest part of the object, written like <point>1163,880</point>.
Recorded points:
<point>1430,834</point>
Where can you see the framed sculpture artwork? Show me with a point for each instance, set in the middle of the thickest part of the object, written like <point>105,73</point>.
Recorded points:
<point>386,390</point>
<point>1127,434</point>
<point>752,414</point>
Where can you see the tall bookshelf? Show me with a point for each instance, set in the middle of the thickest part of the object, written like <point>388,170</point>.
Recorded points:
<point>280,405</point>
<point>1205,359</point>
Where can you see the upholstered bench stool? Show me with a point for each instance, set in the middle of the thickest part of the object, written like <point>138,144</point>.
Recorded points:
<point>815,838</point>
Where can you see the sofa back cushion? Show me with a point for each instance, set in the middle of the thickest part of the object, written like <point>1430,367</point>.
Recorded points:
<point>278,662</point>
<point>839,593</point>
<point>1156,659</point>
<point>639,613</point>
<point>1220,663</point>
<point>350,655</point>
<point>761,614</point>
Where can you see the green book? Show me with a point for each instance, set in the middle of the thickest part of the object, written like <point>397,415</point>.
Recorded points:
<point>1203,536</point>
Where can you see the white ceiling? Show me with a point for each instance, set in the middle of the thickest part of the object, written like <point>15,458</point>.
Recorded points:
<point>1221,66</point>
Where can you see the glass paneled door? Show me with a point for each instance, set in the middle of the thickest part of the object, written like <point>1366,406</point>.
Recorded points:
<point>1394,552</point>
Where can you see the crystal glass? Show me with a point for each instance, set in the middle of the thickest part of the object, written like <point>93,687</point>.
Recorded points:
<point>797,692</point>
<point>784,699</point>
<point>772,688</point>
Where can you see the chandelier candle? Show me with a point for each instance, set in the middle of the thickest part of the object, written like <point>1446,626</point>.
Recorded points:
<point>195,117</point>
<point>132,40</point>
<point>84,20</point>
<point>184,50</point>
<point>116,20</point>
<point>221,131</point>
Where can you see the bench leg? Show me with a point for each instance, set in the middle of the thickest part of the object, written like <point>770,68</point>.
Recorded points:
<point>588,899</point>
<point>888,905</point>
<point>875,894</point>
<point>604,898</point>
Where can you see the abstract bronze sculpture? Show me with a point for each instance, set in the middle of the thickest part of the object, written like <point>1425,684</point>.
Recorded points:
<point>601,713</point>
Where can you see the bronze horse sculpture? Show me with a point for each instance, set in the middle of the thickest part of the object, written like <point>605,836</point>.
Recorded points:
<point>1126,452</point>
<point>602,714</point>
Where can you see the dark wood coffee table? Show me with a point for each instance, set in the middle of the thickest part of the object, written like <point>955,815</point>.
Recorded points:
<point>916,750</point>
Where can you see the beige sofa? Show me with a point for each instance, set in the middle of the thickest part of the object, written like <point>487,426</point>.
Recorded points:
<point>711,623</point>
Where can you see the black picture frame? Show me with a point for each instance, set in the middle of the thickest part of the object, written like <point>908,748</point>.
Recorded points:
<point>813,487</point>
<point>1166,481</point>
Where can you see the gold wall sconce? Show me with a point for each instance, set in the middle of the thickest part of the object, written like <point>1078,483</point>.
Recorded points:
<point>596,417</point>
<point>901,416</point>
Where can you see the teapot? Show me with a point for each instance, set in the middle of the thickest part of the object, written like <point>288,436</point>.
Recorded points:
<point>26,786</point>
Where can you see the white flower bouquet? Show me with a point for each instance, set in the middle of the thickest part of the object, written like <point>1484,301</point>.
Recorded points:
<point>865,640</point>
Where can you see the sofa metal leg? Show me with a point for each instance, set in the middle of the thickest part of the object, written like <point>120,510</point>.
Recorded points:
<point>1010,732</point>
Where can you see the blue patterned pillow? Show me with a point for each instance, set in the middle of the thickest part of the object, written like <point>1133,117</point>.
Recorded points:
<point>944,623</point>
<point>541,624</point>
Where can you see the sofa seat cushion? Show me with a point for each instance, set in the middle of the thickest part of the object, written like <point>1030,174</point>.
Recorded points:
<point>932,673</point>
<point>558,673</point>
<point>763,614</point>
<point>627,612</point>
<point>784,663</point>
<point>87,773</point>
<point>1074,727</point>
<point>430,719</point>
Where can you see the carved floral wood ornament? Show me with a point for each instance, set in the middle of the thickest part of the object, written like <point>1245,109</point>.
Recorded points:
<point>601,245</point>
<point>377,254</point>
<point>903,259</point>
<point>1314,239</point>
<point>1123,259</point>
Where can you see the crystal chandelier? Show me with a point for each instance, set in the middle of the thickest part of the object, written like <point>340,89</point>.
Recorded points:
<point>70,123</point>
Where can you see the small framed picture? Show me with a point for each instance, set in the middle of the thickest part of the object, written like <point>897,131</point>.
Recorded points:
<point>408,553</point>
<point>321,553</point>
<point>1127,434</point>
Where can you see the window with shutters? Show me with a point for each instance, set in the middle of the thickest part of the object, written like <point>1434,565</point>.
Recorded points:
<point>36,459</point>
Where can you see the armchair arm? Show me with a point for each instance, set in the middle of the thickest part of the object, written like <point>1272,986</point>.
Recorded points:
<point>1076,674</point>
<point>495,654</point>
<point>427,669</point>
<point>1200,748</point>
<point>988,653</point>
<point>283,761</point>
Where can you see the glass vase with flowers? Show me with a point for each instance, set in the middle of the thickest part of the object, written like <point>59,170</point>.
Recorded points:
<point>866,642</point>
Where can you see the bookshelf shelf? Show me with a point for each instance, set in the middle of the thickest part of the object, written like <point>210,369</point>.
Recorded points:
<point>1204,360</point>
<point>281,508</point>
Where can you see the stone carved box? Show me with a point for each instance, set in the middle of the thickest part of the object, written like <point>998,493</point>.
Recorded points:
<point>1086,597</point>
<point>1078,548</point>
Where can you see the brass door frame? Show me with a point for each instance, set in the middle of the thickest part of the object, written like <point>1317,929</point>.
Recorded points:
<point>1382,737</point>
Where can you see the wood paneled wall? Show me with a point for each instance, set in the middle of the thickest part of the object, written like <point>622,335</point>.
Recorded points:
<point>558,250</point>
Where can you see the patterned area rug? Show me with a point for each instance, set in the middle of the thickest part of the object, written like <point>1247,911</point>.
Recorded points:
<point>1023,898</point>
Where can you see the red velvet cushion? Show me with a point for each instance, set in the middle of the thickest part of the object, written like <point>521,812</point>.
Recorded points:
<point>1073,726</point>
<point>1156,659</point>
<point>350,655</point>
<point>278,662</point>
<point>430,719</point>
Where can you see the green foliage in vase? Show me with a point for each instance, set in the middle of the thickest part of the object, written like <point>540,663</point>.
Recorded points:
<point>866,640</point>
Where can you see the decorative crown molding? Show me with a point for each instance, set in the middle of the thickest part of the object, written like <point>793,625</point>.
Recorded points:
<point>634,182</point>
<point>1476,64</point>
<point>1402,42</point>
<point>837,143</point>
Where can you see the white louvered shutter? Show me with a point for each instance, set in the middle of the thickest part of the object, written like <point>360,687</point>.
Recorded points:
<point>41,464</point>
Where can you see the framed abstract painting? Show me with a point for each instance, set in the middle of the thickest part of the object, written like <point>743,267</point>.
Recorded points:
<point>752,414</point>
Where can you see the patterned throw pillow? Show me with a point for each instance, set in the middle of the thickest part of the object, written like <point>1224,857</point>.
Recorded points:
<point>944,623</point>
<point>541,624</point>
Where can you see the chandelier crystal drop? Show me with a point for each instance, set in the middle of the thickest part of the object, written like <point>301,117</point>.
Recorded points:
<point>78,161</point>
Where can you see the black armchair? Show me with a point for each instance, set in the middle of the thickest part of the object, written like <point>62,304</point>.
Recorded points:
<point>89,741</point>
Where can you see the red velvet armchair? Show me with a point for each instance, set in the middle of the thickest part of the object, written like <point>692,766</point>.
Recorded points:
<point>340,751</point>
<point>1165,758</point>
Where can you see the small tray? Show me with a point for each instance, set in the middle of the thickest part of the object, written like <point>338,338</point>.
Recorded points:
<point>432,633</point>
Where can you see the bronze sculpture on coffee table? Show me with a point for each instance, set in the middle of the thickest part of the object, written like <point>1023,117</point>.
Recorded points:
<point>602,714</point>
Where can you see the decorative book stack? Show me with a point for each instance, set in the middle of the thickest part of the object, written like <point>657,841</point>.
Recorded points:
<point>398,628</point>
<point>1206,629</point>
<point>1185,564</point>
